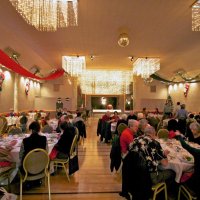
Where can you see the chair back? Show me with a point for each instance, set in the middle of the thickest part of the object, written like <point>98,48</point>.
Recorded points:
<point>121,127</point>
<point>14,131</point>
<point>163,133</point>
<point>36,161</point>
<point>74,146</point>
<point>47,129</point>
<point>3,125</point>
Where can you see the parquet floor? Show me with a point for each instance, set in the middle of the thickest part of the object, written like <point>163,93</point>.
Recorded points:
<point>94,179</point>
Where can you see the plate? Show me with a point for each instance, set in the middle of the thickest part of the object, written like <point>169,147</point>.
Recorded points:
<point>187,159</point>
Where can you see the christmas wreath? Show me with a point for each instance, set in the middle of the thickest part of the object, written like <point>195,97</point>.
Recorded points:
<point>2,77</point>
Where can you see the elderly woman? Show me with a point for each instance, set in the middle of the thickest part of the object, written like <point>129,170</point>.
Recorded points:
<point>143,123</point>
<point>195,128</point>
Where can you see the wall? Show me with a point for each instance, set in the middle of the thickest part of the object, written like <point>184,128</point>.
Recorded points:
<point>24,102</point>
<point>60,87</point>
<point>7,93</point>
<point>192,99</point>
<point>144,97</point>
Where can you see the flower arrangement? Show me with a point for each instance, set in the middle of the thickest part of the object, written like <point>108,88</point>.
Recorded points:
<point>2,77</point>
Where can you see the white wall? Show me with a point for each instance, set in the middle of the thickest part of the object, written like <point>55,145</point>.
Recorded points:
<point>192,99</point>
<point>145,98</point>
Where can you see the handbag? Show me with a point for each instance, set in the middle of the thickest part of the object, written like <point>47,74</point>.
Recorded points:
<point>53,153</point>
<point>73,165</point>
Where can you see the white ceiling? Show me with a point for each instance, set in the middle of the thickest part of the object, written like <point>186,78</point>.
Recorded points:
<point>157,28</point>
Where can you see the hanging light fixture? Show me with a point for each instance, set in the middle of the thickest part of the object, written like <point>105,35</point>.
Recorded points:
<point>145,67</point>
<point>73,65</point>
<point>196,16</point>
<point>48,15</point>
<point>105,82</point>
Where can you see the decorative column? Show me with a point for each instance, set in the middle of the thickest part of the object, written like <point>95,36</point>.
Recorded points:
<point>16,88</point>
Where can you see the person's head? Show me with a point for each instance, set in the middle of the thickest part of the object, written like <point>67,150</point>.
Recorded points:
<point>183,106</point>
<point>150,130</point>
<point>64,118</point>
<point>178,103</point>
<point>195,128</point>
<point>172,125</point>
<point>131,112</point>
<point>78,114</point>
<point>34,127</point>
<point>140,116</point>
<point>191,115</point>
<point>142,124</point>
<point>115,113</point>
<point>133,125</point>
<point>124,116</point>
<point>197,117</point>
<point>64,125</point>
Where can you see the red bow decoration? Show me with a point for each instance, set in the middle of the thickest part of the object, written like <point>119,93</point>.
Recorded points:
<point>2,77</point>
<point>186,89</point>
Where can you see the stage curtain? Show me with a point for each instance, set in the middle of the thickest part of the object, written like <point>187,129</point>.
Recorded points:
<point>9,63</point>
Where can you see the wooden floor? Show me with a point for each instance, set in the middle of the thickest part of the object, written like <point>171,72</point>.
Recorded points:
<point>94,179</point>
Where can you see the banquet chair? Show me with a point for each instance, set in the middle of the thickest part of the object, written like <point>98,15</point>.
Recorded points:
<point>64,163</point>
<point>14,130</point>
<point>35,166</point>
<point>187,192</point>
<point>81,129</point>
<point>121,127</point>
<point>163,133</point>
<point>3,125</point>
<point>47,129</point>
<point>6,172</point>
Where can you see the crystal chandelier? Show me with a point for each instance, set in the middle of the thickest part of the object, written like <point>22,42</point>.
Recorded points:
<point>196,16</point>
<point>48,15</point>
<point>144,67</point>
<point>73,65</point>
<point>105,82</point>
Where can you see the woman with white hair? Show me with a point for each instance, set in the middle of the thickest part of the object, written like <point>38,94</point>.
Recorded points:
<point>195,128</point>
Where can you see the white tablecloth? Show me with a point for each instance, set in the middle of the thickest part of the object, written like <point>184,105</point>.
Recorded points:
<point>51,138</point>
<point>177,158</point>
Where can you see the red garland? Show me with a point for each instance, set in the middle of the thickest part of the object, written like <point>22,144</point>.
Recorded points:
<point>186,89</point>
<point>11,64</point>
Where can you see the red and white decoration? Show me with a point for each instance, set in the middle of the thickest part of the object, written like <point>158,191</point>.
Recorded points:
<point>27,87</point>
<point>186,89</point>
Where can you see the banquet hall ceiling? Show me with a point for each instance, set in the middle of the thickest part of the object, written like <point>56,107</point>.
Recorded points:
<point>156,28</point>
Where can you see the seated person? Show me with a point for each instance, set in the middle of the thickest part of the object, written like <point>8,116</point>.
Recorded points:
<point>64,143</point>
<point>77,118</point>
<point>132,116</point>
<point>194,181</point>
<point>35,140</point>
<point>143,123</point>
<point>154,155</point>
<point>122,120</point>
<point>172,127</point>
<point>195,129</point>
<point>115,117</point>
<point>23,121</point>
<point>156,112</point>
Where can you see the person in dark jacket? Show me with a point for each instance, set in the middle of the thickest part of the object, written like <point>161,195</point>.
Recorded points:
<point>34,141</point>
<point>64,143</point>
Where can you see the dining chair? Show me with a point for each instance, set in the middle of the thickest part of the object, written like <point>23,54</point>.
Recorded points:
<point>121,127</point>
<point>14,130</point>
<point>187,192</point>
<point>163,133</point>
<point>64,163</point>
<point>35,166</point>
<point>3,125</point>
